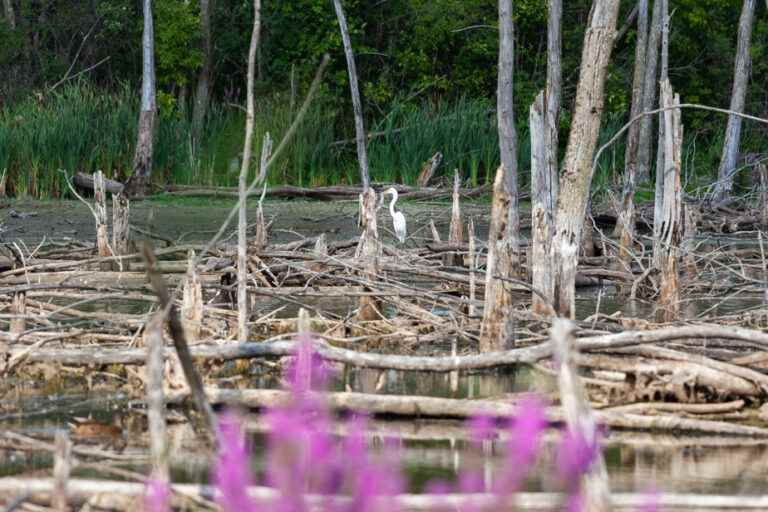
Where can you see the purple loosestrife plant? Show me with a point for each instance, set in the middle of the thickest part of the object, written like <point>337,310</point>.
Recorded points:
<point>158,495</point>
<point>520,452</point>
<point>232,472</point>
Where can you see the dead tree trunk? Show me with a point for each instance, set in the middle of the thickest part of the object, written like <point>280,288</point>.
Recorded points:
<point>498,300</point>
<point>542,206</point>
<point>576,176</point>
<point>19,312</point>
<point>658,204</point>
<point>362,152</point>
<point>10,15</point>
<point>369,251</point>
<point>121,224</point>
<point>553,92</point>
<point>741,71</point>
<point>100,209</point>
<point>156,398</point>
<point>203,92</point>
<point>242,240</point>
<point>142,160</point>
<point>472,265</point>
<point>192,302</point>
<point>625,225</point>
<point>650,86</point>
<point>669,241</point>
<point>62,465</point>
<point>455,231</point>
<point>763,171</point>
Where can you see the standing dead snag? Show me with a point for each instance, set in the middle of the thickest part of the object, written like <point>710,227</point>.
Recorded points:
<point>455,235</point>
<point>658,204</point>
<point>362,152</point>
<point>762,169</point>
<point>19,312</point>
<point>579,416</point>
<point>428,170</point>
<point>120,224</point>
<point>142,160</point>
<point>368,252</point>
<point>738,96</point>
<point>156,398</point>
<point>192,301</point>
<point>576,176</point>
<point>670,235</point>
<point>100,209</point>
<point>650,85</point>
<point>498,301</point>
<point>542,221</point>
<point>202,92</point>
<point>242,241</point>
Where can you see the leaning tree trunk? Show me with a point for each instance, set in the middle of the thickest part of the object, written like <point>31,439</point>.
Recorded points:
<point>142,159</point>
<point>738,96</point>
<point>242,242</point>
<point>626,216</point>
<point>504,233</point>
<point>203,92</point>
<point>576,176</point>
<point>650,86</point>
<point>362,152</point>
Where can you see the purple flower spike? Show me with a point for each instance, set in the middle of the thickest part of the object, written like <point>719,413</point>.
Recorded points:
<point>158,496</point>
<point>482,428</point>
<point>232,473</point>
<point>575,456</point>
<point>307,368</point>
<point>651,503</point>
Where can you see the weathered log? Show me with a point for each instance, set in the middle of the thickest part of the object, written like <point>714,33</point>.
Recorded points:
<point>428,170</point>
<point>85,181</point>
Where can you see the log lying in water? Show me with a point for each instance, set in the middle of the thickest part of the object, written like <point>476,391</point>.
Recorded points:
<point>83,180</point>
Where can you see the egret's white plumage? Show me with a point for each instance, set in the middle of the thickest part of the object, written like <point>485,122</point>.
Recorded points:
<point>398,219</point>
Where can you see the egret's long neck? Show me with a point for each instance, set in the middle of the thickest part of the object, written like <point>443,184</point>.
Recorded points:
<point>392,204</point>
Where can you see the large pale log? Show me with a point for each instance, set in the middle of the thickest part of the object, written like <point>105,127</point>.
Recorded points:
<point>576,177</point>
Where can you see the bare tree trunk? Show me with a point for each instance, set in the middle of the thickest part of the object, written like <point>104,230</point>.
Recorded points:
<point>156,398</point>
<point>142,159</point>
<point>542,206</point>
<point>10,15</point>
<point>192,302</point>
<point>498,300</point>
<point>741,71</point>
<point>505,115</point>
<point>62,464</point>
<point>649,95</point>
<point>100,208</point>
<point>659,190</point>
<point>763,171</point>
<point>553,93</point>
<point>455,231</point>
<point>242,240</point>
<point>669,295</point>
<point>121,224</point>
<point>19,312</point>
<point>369,252</point>
<point>472,265</point>
<point>362,152</point>
<point>202,94</point>
<point>576,177</point>
<point>626,216</point>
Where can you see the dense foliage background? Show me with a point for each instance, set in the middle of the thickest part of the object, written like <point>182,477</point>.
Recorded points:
<point>426,65</point>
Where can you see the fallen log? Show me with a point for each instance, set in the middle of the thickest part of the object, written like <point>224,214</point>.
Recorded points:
<point>85,181</point>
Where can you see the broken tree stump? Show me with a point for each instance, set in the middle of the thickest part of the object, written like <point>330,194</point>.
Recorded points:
<point>120,224</point>
<point>455,235</point>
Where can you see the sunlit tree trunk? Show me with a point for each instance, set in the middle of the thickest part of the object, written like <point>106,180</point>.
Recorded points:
<point>504,233</point>
<point>242,242</point>
<point>738,95</point>
<point>362,152</point>
<point>142,160</point>
<point>202,94</point>
<point>650,86</point>
<point>576,176</point>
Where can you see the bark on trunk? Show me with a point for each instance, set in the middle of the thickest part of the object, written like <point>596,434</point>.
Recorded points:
<point>542,207</point>
<point>505,115</point>
<point>202,94</point>
<point>120,224</point>
<point>669,243</point>
<point>626,216</point>
<point>369,251</point>
<point>741,71</point>
<point>553,94</point>
<point>649,95</point>
<point>658,205</point>
<point>576,176</point>
<point>242,240</point>
<point>498,300</point>
<point>100,209</point>
<point>142,159</point>
<point>362,152</point>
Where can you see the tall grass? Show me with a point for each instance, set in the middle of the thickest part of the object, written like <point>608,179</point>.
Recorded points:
<point>81,128</point>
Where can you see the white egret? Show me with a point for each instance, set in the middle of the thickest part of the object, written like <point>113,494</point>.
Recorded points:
<point>398,219</point>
